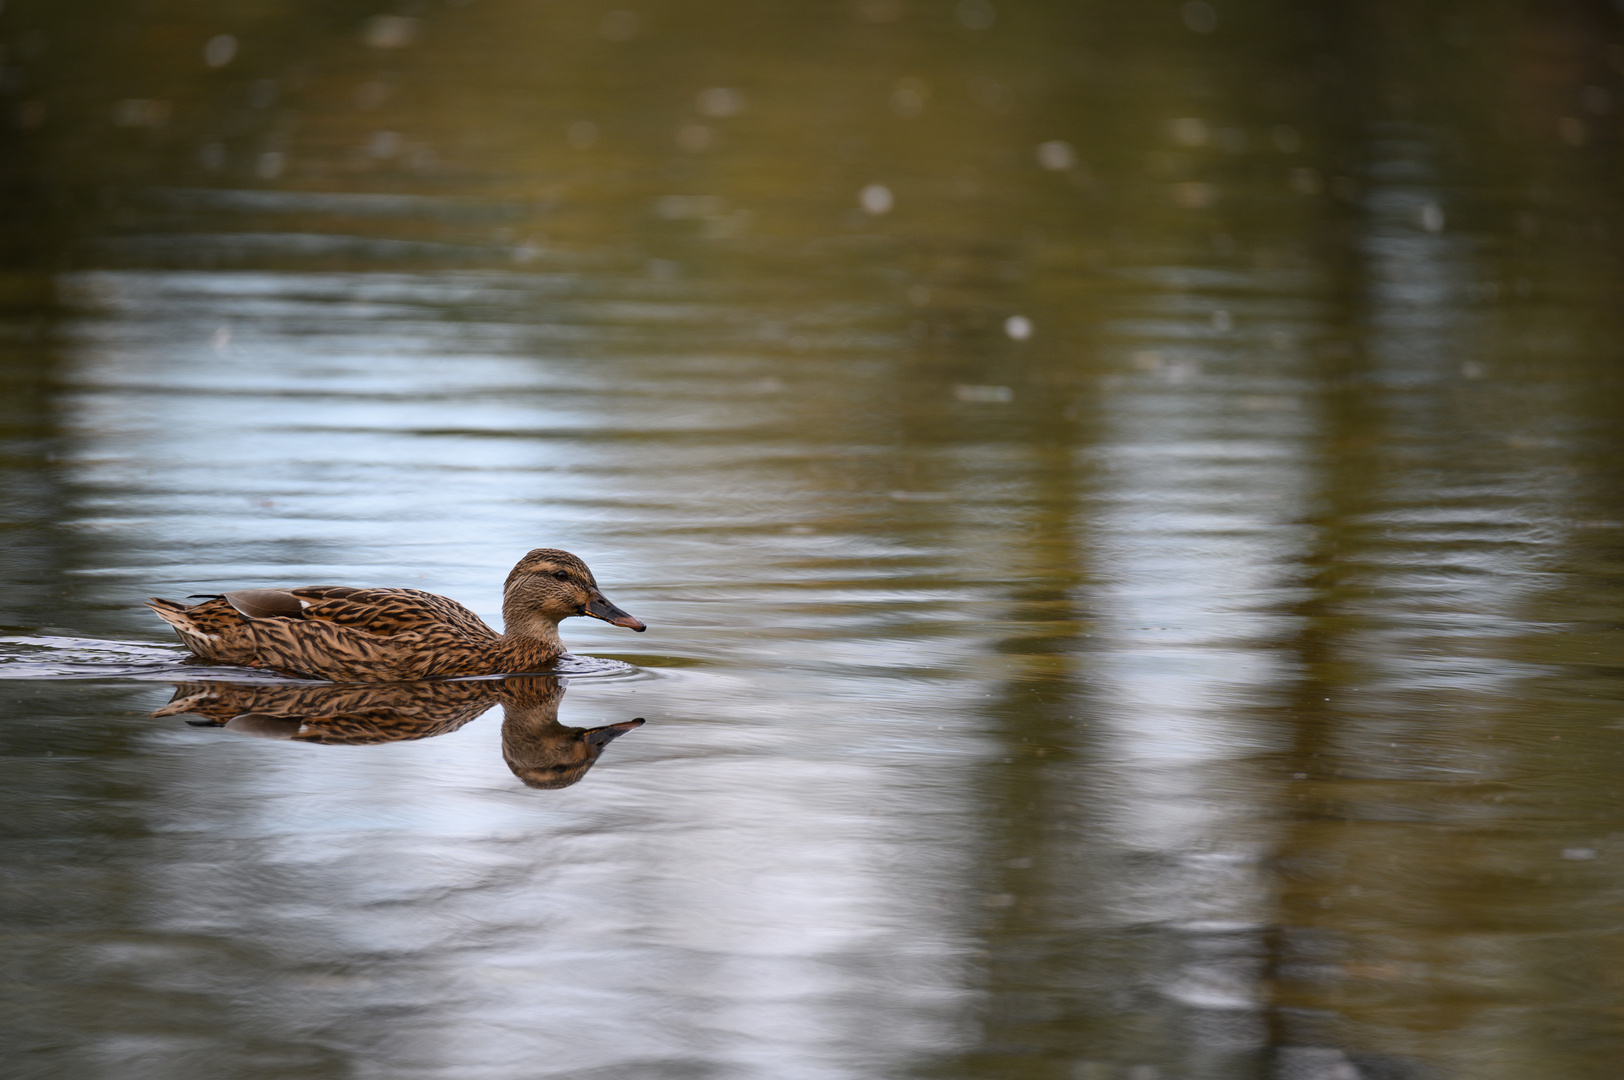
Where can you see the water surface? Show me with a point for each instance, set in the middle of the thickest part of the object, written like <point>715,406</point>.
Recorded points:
<point>1127,506</point>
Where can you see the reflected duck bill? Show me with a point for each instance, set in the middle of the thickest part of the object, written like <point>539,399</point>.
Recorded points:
<point>600,608</point>
<point>600,736</point>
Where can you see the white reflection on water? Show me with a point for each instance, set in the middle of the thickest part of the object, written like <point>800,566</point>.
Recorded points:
<point>740,890</point>
<point>696,898</point>
<point>1196,520</point>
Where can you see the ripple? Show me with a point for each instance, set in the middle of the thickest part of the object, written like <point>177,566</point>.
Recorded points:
<point>50,657</point>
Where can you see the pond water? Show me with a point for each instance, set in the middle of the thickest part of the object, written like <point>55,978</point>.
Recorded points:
<point>1128,502</point>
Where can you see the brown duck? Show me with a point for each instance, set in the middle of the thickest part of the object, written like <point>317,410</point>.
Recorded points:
<point>394,635</point>
<point>541,752</point>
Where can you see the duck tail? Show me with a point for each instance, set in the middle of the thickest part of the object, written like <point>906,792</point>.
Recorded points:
<point>199,640</point>
<point>172,613</point>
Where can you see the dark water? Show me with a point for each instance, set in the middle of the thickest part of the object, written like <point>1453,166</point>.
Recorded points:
<point>1128,500</point>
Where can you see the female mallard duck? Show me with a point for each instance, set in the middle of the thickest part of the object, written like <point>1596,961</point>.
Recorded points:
<point>394,635</point>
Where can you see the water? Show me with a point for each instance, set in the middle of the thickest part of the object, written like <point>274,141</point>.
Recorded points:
<point>1127,508</point>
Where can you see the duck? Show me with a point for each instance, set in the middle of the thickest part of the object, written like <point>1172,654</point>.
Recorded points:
<point>344,634</point>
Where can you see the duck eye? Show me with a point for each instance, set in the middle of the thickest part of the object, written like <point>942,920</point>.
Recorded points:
<point>561,575</point>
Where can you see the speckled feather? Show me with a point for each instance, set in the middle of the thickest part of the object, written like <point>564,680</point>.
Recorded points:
<point>394,635</point>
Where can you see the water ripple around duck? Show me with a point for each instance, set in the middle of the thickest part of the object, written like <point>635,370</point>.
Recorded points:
<point>52,657</point>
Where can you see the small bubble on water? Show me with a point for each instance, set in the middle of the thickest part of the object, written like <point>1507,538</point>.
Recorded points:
<point>694,138</point>
<point>619,26</point>
<point>383,144</point>
<point>220,50</point>
<point>908,99</point>
<point>1056,155</point>
<point>582,134</point>
<point>1018,327</point>
<point>1199,17</point>
<point>1432,217</point>
<point>719,102</point>
<point>990,93</point>
<point>1194,195</point>
<point>1188,131</point>
<point>388,31</point>
<point>1181,371</point>
<point>370,95</point>
<point>141,112</point>
<point>263,93</point>
<point>975,14</point>
<point>270,164</point>
<point>876,199</point>
<point>879,11</point>
<point>983,395</point>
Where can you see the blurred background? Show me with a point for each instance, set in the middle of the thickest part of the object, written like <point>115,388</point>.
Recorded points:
<point>1128,498</point>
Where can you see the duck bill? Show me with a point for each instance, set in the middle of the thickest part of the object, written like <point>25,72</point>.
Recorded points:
<point>600,608</point>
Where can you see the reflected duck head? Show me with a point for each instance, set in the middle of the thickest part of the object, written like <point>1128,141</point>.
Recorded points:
<point>539,750</point>
<point>555,756</point>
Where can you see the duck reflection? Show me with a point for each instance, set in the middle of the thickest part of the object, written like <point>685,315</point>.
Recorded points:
<point>541,752</point>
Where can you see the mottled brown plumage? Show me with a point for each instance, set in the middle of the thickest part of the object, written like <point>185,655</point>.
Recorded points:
<point>541,752</point>
<point>394,635</point>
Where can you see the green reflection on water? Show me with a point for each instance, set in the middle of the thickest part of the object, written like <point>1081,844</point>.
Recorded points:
<point>1210,426</point>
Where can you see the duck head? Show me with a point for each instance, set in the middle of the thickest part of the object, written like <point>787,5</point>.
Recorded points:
<point>549,586</point>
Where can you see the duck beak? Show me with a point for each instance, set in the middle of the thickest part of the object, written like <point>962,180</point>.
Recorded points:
<point>600,608</point>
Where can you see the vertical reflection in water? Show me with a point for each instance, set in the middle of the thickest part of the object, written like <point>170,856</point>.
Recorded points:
<point>1205,468</point>
<point>1043,969</point>
<point>1124,894</point>
<point>1424,562</point>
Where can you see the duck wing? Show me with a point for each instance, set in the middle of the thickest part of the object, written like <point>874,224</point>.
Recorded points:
<point>386,612</point>
<point>339,633</point>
